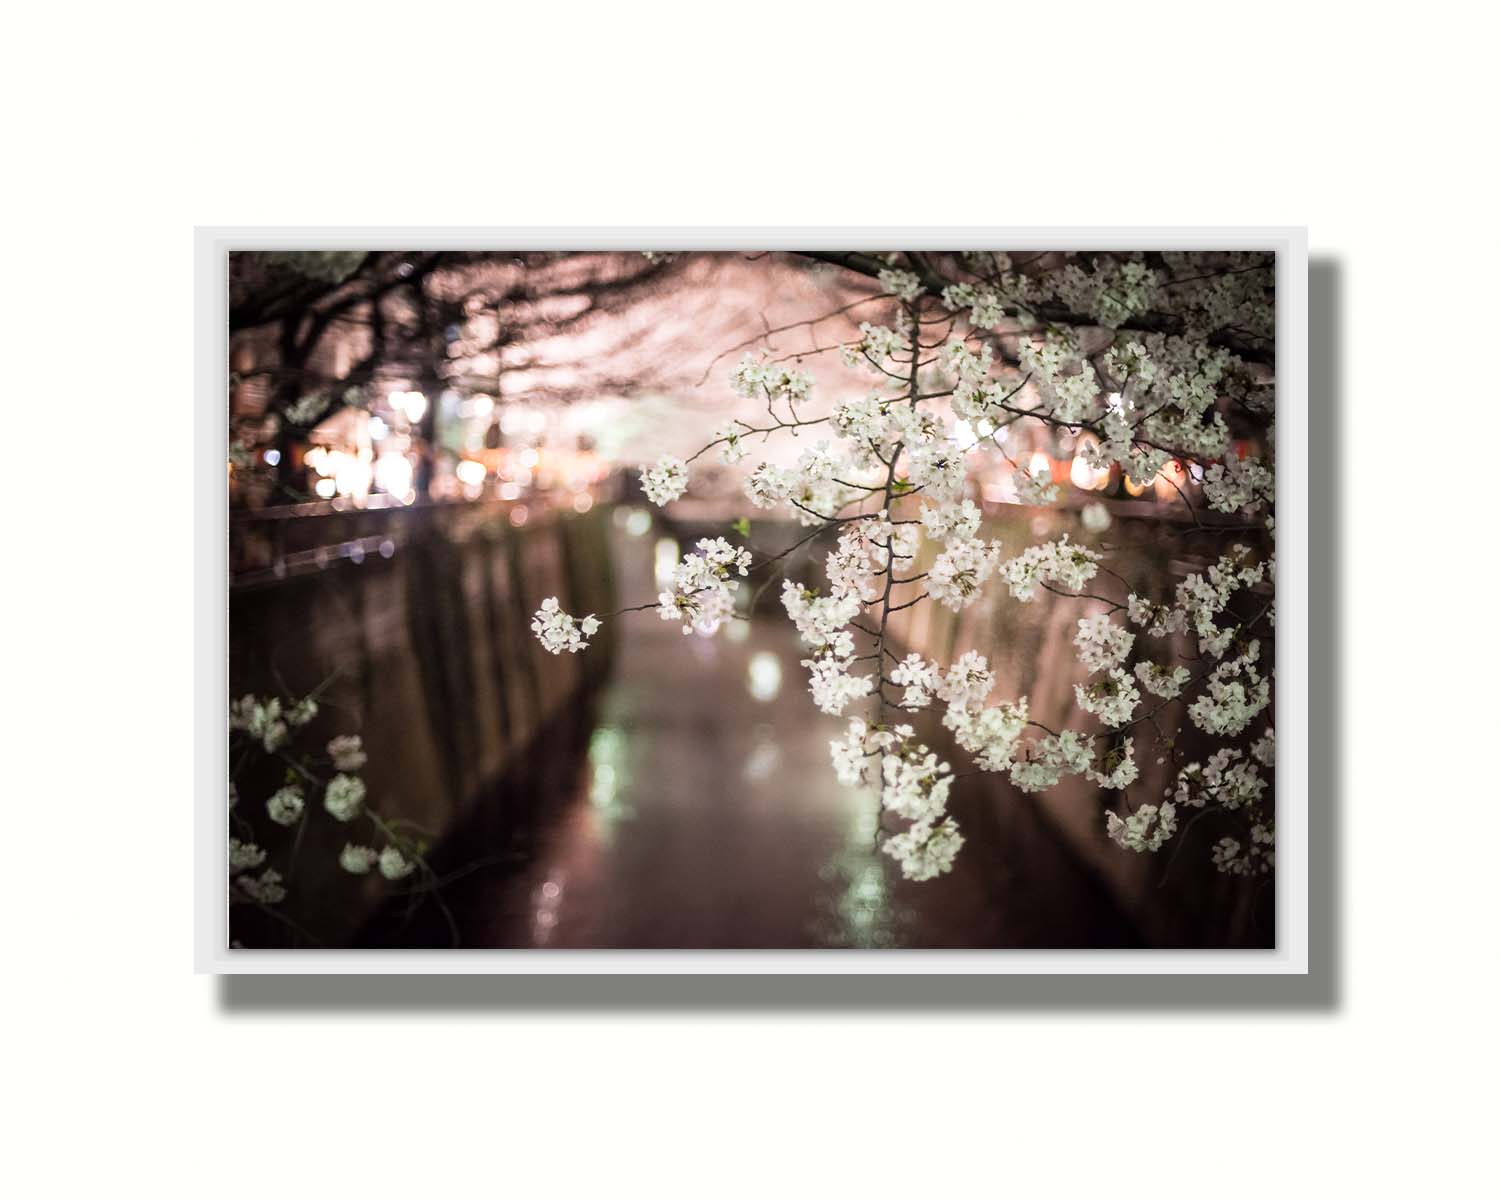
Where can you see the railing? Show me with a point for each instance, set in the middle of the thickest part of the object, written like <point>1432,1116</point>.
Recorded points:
<point>269,545</point>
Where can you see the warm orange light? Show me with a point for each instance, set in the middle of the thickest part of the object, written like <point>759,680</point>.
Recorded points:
<point>1085,477</point>
<point>1169,479</point>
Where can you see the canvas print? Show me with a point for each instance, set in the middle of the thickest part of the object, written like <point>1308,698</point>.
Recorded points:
<point>751,600</point>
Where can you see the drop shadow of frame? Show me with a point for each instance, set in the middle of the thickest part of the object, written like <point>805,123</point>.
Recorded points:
<point>1319,990</point>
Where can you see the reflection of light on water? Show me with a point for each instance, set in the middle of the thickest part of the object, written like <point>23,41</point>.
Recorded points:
<point>762,761</point>
<point>862,906</point>
<point>603,785</point>
<point>866,821</point>
<point>606,766</point>
<point>666,561</point>
<point>856,903</point>
<point>765,676</point>
<point>546,901</point>
<point>862,913</point>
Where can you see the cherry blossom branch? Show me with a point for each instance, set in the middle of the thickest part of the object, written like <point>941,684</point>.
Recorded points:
<point>760,337</point>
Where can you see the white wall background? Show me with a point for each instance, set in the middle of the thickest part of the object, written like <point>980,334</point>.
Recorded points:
<point>128,124</point>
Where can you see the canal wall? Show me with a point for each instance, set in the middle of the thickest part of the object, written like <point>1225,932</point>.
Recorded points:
<point>412,625</point>
<point>1175,897</point>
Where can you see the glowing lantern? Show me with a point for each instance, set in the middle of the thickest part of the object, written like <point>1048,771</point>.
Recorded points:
<point>1169,479</point>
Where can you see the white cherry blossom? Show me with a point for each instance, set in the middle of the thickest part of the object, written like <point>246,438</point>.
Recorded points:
<point>666,481</point>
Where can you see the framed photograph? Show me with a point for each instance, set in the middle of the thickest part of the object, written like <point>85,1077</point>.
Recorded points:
<point>752,600</point>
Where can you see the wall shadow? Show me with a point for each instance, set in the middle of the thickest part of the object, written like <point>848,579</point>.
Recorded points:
<point>1321,990</point>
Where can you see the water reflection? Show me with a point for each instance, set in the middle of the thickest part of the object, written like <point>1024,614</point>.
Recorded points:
<point>609,780</point>
<point>764,676</point>
<point>548,900</point>
<point>665,561</point>
<point>858,909</point>
<point>762,763</point>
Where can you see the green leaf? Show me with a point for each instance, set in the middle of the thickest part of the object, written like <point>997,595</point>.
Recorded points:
<point>741,526</point>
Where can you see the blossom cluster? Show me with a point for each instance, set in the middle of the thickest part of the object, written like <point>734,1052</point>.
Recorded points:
<point>558,631</point>
<point>876,345</point>
<point>1255,857</point>
<point>915,786</point>
<point>1102,645</point>
<point>1227,779</point>
<point>1165,682</point>
<point>927,849</point>
<point>1146,829</point>
<point>666,481</point>
<point>756,378</point>
<point>819,619</point>
<point>1060,563</point>
<point>985,304</point>
<point>268,721</point>
<point>904,285</point>
<point>829,681</point>
<point>1234,695</point>
<point>703,586</point>
<point>989,733</point>
<point>942,521</point>
<point>961,570</point>
<point>1112,699</point>
<point>1043,762</point>
<point>270,724</point>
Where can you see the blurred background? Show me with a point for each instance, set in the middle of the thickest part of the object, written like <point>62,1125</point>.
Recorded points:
<point>424,445</point>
